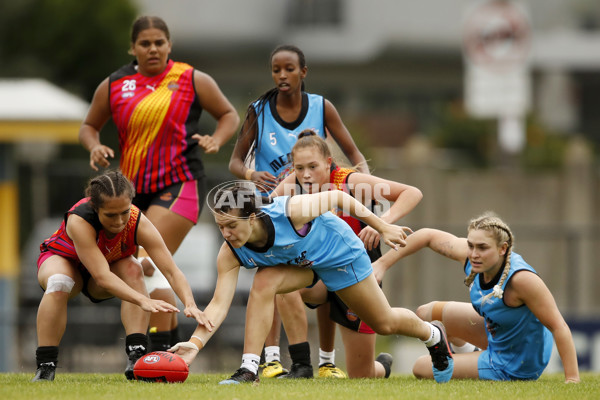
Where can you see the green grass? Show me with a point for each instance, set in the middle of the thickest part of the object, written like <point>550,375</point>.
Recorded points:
<point>205,387</point>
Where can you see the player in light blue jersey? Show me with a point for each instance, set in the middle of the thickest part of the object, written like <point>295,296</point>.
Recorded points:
<point>294,241</point>
<point>262,154</point>
<point>512,314</point>
<point>275,119</point>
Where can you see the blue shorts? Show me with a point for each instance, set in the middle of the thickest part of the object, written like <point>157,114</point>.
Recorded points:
<point>341,277</point>
<point>488,372</point>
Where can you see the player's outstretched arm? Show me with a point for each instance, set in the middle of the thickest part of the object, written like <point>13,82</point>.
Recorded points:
<point>441,242</point>
<point>149,238</point>
<point>304,208</point>
<point>228,268</point>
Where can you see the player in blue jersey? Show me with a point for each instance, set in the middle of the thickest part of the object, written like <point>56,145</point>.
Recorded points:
<point>314,171</point>
<point>294,241</point>
<point>512,315</point>
<point>275,119</point>
<point>262,154</point>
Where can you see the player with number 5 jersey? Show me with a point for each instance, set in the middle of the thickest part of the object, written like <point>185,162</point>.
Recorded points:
<point>262,154</point>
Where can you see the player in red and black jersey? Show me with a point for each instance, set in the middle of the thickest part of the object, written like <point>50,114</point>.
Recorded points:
<point>92,252</point>
<point>156,103</point>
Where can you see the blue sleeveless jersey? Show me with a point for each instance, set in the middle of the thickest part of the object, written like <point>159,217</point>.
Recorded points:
<point>330,248</point>
<point>275,137</point>
<point>518,343</point>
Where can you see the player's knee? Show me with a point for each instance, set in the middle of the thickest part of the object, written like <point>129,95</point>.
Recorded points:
<point>264,282</point>
<point>133,270</point>
<point>383,327</point>
<point>59,283</point>
<point>422,368</point>
<point>424,311</point>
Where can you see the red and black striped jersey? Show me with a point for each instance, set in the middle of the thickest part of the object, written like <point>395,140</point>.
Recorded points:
<point>120,246</point>
<point>156,118</point>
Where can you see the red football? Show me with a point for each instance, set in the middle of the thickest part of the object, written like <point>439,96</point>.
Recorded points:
<point>161,366</point>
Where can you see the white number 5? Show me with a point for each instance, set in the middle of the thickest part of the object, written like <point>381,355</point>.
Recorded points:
<point>273,138</point>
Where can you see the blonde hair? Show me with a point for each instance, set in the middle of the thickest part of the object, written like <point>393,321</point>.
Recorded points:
<point>500,231</point>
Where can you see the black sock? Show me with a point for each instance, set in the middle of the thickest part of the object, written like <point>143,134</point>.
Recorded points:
<point>174,336</point>
<point>159,341</point>
<point>136,341</point>
<point>45,354</point>
<point>300,353</point>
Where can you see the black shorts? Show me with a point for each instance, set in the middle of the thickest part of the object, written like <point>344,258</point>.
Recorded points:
<point>86,276</point>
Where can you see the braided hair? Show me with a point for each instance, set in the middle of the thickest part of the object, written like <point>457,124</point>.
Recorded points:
<point>501,233</point>
<point>263,101</point>
<point>108,185</point>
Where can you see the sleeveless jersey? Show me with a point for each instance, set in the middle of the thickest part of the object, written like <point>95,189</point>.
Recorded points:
<point>275,137</point>
<point>328,244</point>
<point>338,177</point>
<point>122,245</point>
<point>518,343</point>
<point>156,118</point>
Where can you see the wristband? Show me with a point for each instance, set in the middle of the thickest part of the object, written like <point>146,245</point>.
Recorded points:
<point>198,338</point>
<point>248,175</point>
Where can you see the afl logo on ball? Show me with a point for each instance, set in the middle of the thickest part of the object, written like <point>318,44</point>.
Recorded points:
<point>151,359</point>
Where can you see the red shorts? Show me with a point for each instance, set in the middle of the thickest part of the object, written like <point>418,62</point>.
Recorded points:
<point>43,257</point>
<point>85,275</point>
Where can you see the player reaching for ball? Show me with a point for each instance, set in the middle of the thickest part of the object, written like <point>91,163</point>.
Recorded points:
<point>269,131</point>
<point>294,241</point>
<point>92,253</point>
<point>156,104</point>
<point>512,315</point>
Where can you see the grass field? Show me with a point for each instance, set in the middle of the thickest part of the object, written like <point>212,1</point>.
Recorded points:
<point>205,387</point>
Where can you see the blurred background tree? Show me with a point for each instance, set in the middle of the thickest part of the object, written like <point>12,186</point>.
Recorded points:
<point>72,43</point>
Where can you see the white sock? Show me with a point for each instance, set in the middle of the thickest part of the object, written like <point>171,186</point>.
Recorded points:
<point>250,362</point>
<point>465,348</point>
<point>326,357</point>
<point>272,354</point>
<point>435,336</point>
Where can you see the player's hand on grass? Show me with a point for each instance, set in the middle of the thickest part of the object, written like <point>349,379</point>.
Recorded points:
<point>186,350</point>
<point>199,316</point>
